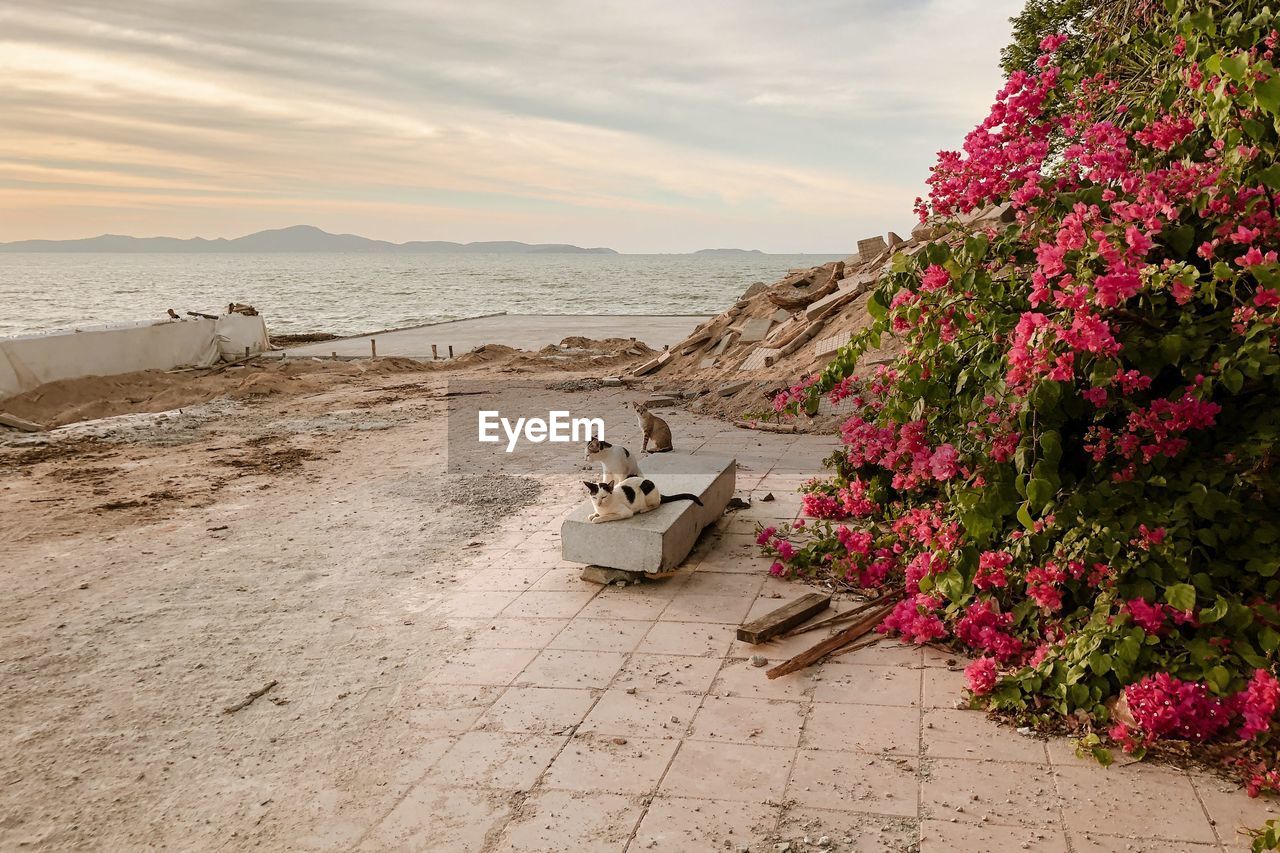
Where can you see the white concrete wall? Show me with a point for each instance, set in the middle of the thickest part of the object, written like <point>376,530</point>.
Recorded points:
<point>28,361</point>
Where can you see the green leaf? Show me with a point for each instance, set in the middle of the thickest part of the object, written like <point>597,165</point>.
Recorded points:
<point>1219,677</point>
<point>1039,492</point>
<point>1236,66</point>
<point>1216,612</point>
<point>1180,238</point>
<point>1025,517</point>
<point>876,308</point>
<point>1271,176</point>
<point>1268,94</point>
<point>1181,596</point>
<point>1233,380</point>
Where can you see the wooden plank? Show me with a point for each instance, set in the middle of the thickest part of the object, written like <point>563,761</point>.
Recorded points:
<point>832,643</point>
<point>16,422</point>
<point>787,616</point>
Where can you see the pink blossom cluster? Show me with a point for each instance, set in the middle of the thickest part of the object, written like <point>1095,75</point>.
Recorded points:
<point>1257,704</point>
<point>984,627</point>
<point>903,450</point>
<point>916,619</point>
<point>1164,706</point>
<point>992,569</point>
<point>982,676</point>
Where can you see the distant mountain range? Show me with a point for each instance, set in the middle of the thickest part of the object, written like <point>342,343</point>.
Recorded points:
<point>728,252</point>
<point>299,238</point>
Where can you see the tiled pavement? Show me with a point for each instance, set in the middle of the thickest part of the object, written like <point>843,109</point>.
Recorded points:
<point>573,717</point>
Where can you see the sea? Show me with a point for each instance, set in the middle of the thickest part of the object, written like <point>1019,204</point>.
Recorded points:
<point>350,294</point>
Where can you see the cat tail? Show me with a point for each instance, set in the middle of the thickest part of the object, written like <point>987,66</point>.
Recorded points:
<point>666,499</point>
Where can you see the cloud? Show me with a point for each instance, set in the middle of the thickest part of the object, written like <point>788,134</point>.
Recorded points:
<point>662,126</point>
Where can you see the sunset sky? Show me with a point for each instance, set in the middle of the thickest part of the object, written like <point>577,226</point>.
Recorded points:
<point>646,126</point>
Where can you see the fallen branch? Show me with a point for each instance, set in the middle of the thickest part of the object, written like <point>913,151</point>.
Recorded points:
<point>845,616</point>
<point>832,643</point>
<point>251,698</point>
<point>856,647</point>
<point>18,423</point>
<point>765,426</point>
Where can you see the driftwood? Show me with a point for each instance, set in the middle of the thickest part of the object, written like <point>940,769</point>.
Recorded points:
<point>251,698</point>
<point>203,316</point>
<point>765,426</point>
<point>837,641</point>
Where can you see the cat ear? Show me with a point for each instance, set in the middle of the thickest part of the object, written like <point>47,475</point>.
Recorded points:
<point>604,445</point>
<point>608,487</point>
<point>591,487</point>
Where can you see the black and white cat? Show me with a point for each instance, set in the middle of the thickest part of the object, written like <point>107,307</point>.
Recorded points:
<point>616,463</point>
<point>631,496</point>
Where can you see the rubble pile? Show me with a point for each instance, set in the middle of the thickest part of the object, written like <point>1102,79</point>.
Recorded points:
<point>776,334</point>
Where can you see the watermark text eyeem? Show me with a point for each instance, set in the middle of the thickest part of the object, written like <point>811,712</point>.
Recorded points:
<point>558,427</point>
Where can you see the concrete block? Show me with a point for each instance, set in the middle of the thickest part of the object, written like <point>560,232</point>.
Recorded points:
<point>611,382</point>
<point>827,304</point>
<point>756,287</point>
<point>859,280</point>
<point>656,541</point>
<point>871,246</point>
<point>723,344</point>
<point>893,239</point>
<point>759,358</point>
<point>732,388</point>
<point>654,364</point>
<point>707,363</point>
<point>780,315</point>
<point>755,329</point>
<point>661,400</point>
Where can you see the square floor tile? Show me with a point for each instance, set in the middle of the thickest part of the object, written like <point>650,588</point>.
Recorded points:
<point>862,728</point>
<point>849,832</point>
<point>705,582</point>
<point>854,781</point>
<point>507,633</point>
<point>557,821</point>
<point>476,605</point>
<point>1231,808</point>
<point>752,721</point>
<point>1142,800</point>
<point>565,578</point>
<point>706,639</point>
<point>989,792</point>
<point>668,673</point>
<point>569,668</point>
<point>547,710</point>
<point>513,579</point>
<point>949,733</point>
<point>682,824</point>
<point>600,635</point>
<point>440,818</point>
<point>641,714</point>
<point>449,708</point>
<point>725,609</point>
<point>943,836</point>
<point>728,771</point>
<point>944,688</point>
<point>496,760</point>
<point>869,685</point>
<point>599,763</point>
<point>549,605</point>
<point>484,666</point>
<point>740,678</point>
<point>613,603</point>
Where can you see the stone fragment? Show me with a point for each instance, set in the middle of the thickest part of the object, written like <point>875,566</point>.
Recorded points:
<point>759,660</point>
<point>755,329</point>
<point>759,357</point>
<point>871,246</point>
<point>780,315</point>
<point>756,287</point>
<point>733,388</point>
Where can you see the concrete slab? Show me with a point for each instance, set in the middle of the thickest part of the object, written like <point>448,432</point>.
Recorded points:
<point>829,345</point>
<point>656,541</point>
<point>524,331</point>
<point>871,246</point>
<point>758,358</point>
<point>755,329</point>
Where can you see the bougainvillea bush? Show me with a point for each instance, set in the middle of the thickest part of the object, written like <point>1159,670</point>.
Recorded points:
<point>1071,471</point>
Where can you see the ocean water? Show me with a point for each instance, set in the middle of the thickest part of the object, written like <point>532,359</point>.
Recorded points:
<point>349,294</point>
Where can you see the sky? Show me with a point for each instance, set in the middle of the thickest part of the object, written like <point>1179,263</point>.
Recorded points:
<point>657,126</point>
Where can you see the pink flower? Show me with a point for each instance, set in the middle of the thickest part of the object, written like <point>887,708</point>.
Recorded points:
<point>943,463</point>
<point>763,537</point>
<point>935,278</point>
<point>1258,704</point>
<point>982,676</point>
<point>778,570</point>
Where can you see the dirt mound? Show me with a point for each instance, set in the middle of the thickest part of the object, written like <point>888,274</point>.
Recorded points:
<point>70,401</point>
